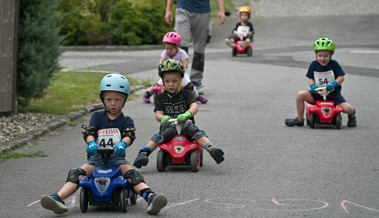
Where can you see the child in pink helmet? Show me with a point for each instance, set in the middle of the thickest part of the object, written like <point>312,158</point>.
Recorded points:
<point>172,42</point>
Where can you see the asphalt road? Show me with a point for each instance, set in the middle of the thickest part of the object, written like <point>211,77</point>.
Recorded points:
<point>270,170</point>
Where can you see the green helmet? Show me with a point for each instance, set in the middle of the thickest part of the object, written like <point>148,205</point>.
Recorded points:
<point>324,44</point>
<point>171,65</point>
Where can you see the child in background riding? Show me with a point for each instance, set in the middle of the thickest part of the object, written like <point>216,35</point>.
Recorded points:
<point>171,42</point>
<point>175,103</point>
<point>243,30</point>
<point>323,72</point>
<point>113,91</point>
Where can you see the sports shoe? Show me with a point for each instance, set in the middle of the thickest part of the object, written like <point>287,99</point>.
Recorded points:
<point>217,154</point>
<point>156,203</point>
<point>142,158</point>
<point>199,90</point>
<point>352,120</point>
<point>53,203</point>
<point>293,121</point>
<point>146,97</point>
<point>246,43</point>
<point>229,43</point>
<point>202,99</point>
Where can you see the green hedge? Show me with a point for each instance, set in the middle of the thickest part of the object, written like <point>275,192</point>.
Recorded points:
<point>113,22</point>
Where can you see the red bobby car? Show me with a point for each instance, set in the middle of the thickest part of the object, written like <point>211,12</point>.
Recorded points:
<point>324,112</point>
<point>239,49</point>
<point>180,151</point>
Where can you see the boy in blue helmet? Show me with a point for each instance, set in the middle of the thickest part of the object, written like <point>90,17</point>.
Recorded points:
<point>113,91</point>
<point>180,104</point>
<point>323,72</point>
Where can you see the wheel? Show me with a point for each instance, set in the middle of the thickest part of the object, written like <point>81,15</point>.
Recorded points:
<point>307,118</point>
<point>338,121</point>
<point>312,121</point>
<point>249,52</point>
<point>83,200</point>
<point>201,158</point>
<point>133,198</point>
<point>124,200</point>
<point>234,52</point>
<point>161,161</point>
<point>195,161</point>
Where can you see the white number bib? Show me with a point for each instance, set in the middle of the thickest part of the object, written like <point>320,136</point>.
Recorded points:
<point>108,137</point>
<point>323,78</point>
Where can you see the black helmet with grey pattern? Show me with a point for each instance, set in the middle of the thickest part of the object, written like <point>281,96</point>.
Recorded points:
<point>171,66</point>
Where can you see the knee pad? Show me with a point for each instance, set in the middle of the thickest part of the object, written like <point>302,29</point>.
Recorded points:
<point>168,133</point>
<point>73,175</point>
<point>135,176</point>
<point>198,61</point>
<point>190,130</point>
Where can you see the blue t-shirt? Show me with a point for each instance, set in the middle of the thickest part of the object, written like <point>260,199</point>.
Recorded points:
<point>325,75</point>
<point>195,6</point>
<point>109,131</point>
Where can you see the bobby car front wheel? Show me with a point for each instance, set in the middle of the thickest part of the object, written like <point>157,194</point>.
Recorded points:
<point>195,161</point>
<point>124,200</point>
<point>83,200</point>
<point>161,161</point>
<point>338,121</point>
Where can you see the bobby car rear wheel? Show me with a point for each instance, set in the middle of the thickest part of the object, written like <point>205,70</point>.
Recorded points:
<point>312,121</point>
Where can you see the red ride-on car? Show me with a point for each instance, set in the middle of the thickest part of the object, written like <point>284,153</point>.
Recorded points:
<point>324,112</point>
<point>180,151</point>
<point>239,49</point>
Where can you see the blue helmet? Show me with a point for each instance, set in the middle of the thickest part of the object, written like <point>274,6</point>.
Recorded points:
<point>114,82</point>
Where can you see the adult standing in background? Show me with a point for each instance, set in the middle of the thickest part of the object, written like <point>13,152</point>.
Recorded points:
<point>193,16</point>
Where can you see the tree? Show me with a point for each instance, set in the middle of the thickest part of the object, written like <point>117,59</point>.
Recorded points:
<point>38,47</point>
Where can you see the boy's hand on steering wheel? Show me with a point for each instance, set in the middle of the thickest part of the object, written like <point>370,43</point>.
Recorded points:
<point>183,117</point>
<point>119,149</point>
<point>313,87</point>
<point>92,148</point>
<point>331,86</point>
<point>164,119</point>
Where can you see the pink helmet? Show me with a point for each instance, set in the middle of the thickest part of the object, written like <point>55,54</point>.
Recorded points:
<point>173,38</point>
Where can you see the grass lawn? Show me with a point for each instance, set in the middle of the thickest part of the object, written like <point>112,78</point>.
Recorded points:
<point>68,91</point>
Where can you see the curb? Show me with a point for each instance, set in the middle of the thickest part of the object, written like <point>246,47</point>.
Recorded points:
<point>19,142</point>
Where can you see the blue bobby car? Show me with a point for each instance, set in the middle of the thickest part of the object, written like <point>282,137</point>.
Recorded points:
<point>106,187</point>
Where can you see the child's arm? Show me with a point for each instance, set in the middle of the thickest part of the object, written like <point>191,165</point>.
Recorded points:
<point>340,79</point>
<point>185,63</point>
<point>161,60</point>
<point>159,115</point>
<point>311,81</point>
<point>193,108</point>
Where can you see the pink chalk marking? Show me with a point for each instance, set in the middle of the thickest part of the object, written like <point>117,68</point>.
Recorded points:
<point>182,203</point>
<point>73,201</point>
<point>358,205</point>
<point>230,205</point>
<point>33,203</point>
<point>276,202</point>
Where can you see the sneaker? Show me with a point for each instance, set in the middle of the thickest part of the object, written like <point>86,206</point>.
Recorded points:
<point>217,154</point>
<point>352,120</point>
<point>53,203</point>
<point>199,90</point>
<point>146,97</point>
<point>246,43</point>
<point>294,121</point>
<point>202,99</point>
<point>229,43</point>
<point>156,203</point>
<point>142,158</point>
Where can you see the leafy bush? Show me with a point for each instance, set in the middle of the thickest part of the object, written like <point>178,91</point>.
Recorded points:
<point>38,48</point>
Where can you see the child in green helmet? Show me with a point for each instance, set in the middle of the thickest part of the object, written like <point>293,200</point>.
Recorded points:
<point>107,127</point>
<point>175,103</point>
<point>323,72</point>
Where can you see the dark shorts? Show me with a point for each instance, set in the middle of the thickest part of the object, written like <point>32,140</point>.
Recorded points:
<point>114,160</point>
<point>336,97</point>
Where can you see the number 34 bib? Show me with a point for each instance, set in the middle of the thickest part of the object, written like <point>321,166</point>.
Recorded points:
<point>323,78</point>
<point>108,137</point>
